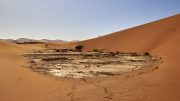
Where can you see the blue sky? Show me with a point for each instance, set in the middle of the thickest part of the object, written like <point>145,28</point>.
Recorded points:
<point>78,19</point>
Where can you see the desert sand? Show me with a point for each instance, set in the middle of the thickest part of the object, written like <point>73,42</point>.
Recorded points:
<point>161,38</point>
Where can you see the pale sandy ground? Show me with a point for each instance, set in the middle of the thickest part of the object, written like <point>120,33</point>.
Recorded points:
<point>161,38</point>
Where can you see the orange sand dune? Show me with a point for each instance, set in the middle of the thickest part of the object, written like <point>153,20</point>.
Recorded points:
<point>160,38</point>
<point>146,37</point>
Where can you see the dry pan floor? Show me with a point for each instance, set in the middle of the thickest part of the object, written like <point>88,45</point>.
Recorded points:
<point>76,64</point>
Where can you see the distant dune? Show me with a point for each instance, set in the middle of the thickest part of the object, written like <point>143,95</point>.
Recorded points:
<point>160,38</point>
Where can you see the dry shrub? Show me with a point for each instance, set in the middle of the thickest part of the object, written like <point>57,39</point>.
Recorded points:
<point>79,47</point>
<point>146,54</point>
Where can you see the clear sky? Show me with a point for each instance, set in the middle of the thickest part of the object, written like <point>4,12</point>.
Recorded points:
<point>78,19</point>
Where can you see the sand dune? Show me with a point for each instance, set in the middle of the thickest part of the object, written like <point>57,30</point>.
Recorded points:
<point>160,38</point>
<point>141,38</point>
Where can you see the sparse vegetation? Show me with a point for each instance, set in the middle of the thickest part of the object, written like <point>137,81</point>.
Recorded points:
<point>71,50</point>
<point>78,47</point>
<point>57,50</point>
<point>64,50</point>
<point>80,72</point>
<point>134,54</point>
<point>32,61</point>
<point>72,63</point>
<point>117,52</point>
<point>104,73</point>
<point>146,54</point>
<point>55,59</point>
<point>95,50</point>
<point>112,53</point>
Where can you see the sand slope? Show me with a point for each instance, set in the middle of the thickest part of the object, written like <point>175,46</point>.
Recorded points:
<point>141,38</point>
<point>161,38</point>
